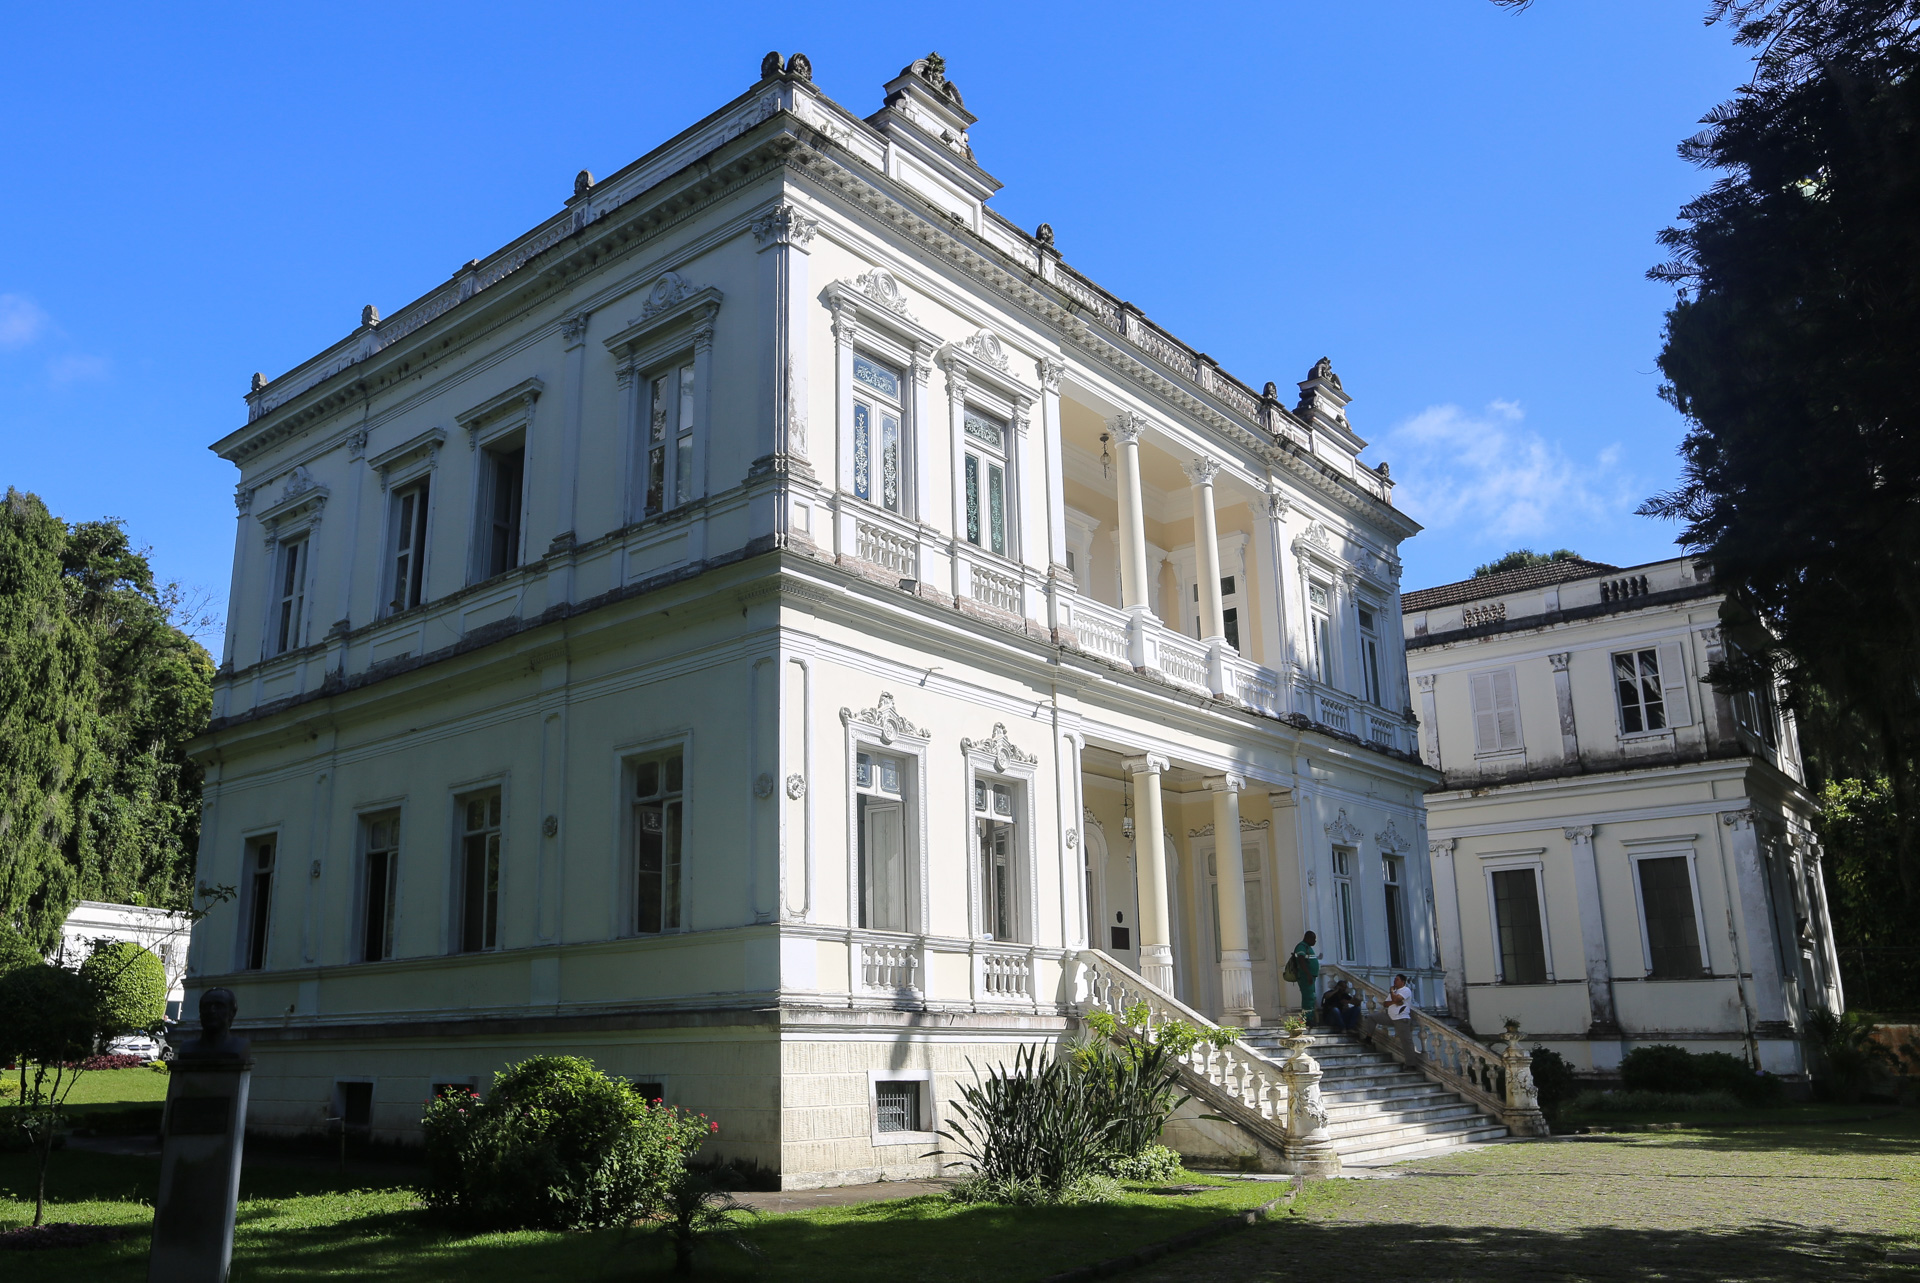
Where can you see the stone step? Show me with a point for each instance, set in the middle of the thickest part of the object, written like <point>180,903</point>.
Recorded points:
<point>1404,1095</point>
<point>1430,1111</point>
<point>1371,1154</point>
<point>1381,1133</point>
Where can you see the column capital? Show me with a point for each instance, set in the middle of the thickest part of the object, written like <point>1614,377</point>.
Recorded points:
<point>785,224</point>
<point>1560,661</point>
<point>1201,471</point>
<point>1278,505</point>
<point>1578,833</point>
<point>1737,820</point>
<point>1226,783</point>
<point>1127,426</point>
<point>1440,848</point>
<point>1147,764</point>
<point>1425,680</point>
<point>1050,371</point>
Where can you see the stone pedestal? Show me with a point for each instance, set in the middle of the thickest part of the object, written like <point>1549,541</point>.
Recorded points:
<point>1522,1115</point>
<point>1309,1148</point>
<point>206,1121</point>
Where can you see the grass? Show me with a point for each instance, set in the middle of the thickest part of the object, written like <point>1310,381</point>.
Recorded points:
<point>137,1086</point>
<point>1673,1113</point>
<point>305,1222</point>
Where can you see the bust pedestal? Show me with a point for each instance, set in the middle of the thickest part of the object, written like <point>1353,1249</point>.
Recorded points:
<point>206,1122</point>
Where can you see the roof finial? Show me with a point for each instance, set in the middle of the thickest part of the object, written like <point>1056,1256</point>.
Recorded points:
<point>369,315</point>
<point>583,182</point>
<point>259,380</point>
<point>770,65</point>
<point>800,67</point>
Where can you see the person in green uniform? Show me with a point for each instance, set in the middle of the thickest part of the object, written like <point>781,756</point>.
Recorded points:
<point>1306,974</point>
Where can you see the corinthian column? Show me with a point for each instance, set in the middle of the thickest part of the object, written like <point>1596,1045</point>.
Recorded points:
<point>1236,971</point>
<point>1126,428</point>
<point>1156,939</point>
<point>1206,548</point>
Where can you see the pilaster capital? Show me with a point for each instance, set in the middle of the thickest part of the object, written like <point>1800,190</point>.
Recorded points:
<point>1147,764</point>
<point>573,329</point>
<point>1426,680</point>
<point>1225,783</point>
<point>1738,820</point>
<point>1560,661</point>
<point>785,224</point>
<point>1201,471</point>
<point>243,500</point>
<point>1578,833</point>
<point>1278,505</point>
<point>1127,426</point>
<point>357,444</point>
<point>1440,848</point>
<point>1050,371</point>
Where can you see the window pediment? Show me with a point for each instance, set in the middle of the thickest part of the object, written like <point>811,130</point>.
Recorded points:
<point>414,448</point>
<point>501,413</point>
<point>301,496</point>
<point>672,310</point>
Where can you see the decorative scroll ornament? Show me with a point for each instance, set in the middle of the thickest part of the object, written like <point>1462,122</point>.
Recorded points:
<point>1073,838</point>
<point>985,344</point>
<point>670,289</point>
<point>243,500</point>
<point>1343,830</point>
<point>886,718</point>
<point>1390,840</point>
<point>1050,371</point>
<point>880,286</point>
<point>1317,534</point>
<point>785,225</point>
<point>796,787</point>
<point>999,748</point>
<point>298,484</point>
<point>1093,821</point>
<point>1246,826</point>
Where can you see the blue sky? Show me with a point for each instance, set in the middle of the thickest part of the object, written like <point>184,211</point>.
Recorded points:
<point>1455,203</point>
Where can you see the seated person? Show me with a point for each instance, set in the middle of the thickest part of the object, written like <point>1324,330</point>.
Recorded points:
<point>1341,1008</point>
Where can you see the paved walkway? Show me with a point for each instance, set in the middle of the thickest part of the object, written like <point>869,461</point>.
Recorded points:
<point>800,1200</point>
<point>1784,1204</point>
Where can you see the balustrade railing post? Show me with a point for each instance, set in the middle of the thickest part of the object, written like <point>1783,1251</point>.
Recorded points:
<point>1309,1147</point>
<point>1522,1114</point>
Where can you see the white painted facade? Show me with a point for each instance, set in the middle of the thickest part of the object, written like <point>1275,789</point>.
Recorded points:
<point>1658,832</point>
<point>476,621</point>
<point>161,932</point>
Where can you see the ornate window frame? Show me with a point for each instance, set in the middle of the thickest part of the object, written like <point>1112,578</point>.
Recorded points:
<point>294,516</point>
<point>676,318</point>
<point>494,420</point>
<point>415,459</point>
<point>1492,862</point>
<point>870,314</point>
<point>978,377</point>
<point>882,729</point>
<point>996,760</point>
<point>1667,848</point>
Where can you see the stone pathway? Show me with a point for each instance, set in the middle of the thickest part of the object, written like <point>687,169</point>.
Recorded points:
<point>1786,1204</point>
<point>800,1200</point>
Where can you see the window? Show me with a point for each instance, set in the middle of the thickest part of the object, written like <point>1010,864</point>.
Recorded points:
<point>654,1092</point>
<point>1369,658</point>
<point>293,595</point>
<point>876,433</point>
<point>1496,711</point>
<point>1255,906</point>
<point>1320,632</point>
<point>897,1107</point>
<point>995,823</point>
<point>1673,936</point>
<point>480,871</point>
<point>504,478</point>
<point>880,802</point>
<point>1391,869</point>
<point>259,902</point>
<point>1516,912</point>
<point>380,867</point>
<point>409,547</point>
<point>658,826</point>
<point>1229,610</point>
<point>1636,681</point>
<point>669,452</point>
<point>986,481</point>
<point>1343,906</point>
<point>354,1100</point>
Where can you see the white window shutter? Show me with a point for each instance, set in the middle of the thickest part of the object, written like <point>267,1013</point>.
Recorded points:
<point>1486,735</point>
<point>1673,684</point>
<point>1506,709</point>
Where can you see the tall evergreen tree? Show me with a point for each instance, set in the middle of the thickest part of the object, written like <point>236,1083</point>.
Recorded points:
<point>99,693</point>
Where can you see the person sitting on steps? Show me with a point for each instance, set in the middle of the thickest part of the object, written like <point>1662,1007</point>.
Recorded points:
<point>1341,1008</point>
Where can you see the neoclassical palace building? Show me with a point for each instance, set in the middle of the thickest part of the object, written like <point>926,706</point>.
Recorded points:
<point>773,628</point>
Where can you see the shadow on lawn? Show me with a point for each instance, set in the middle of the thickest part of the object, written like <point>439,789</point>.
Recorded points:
<point>1337,1252</point>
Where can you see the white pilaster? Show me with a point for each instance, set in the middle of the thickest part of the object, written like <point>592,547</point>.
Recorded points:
<point>1156,936</point>
<point>1593,933</point>
<point>1236,970</point>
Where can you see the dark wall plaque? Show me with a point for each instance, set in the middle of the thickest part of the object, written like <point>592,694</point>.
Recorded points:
<point>199,1115</point>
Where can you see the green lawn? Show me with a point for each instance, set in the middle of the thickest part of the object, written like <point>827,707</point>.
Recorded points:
<point>299,1223</point>
<point>1787,1116</point>
<point>138,1086</point>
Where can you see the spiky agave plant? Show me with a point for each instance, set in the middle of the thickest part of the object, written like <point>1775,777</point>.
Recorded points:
<point>1035,1123</point>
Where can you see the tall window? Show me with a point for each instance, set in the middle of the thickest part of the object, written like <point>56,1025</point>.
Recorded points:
<point>995,828</point>
<point>876,433</point>
<point>1516,911</point>
<point>1636,681</point>
<point>1496,711</point>
<point>1320,632</point>
<point>658,824</point>
<point>259,911</point>
<point>1229,609</point>
<point>1255,904</point>
<point>1369,658</point>
<point>1392,873</point>
<point>409,569</point>
<point>986,481</point>
<point>669,456</point>
<point>293,594</point>
<point>506,471</point>
<point>480,871</point>
<point>1343,906</point>
<point>1673,936</point>
<point>380,871</point>
<point>881,785</point>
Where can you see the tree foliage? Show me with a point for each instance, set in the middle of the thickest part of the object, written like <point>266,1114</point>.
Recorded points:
<point>1521,558</point>
<point>1791,352</point>
<point>99,693</point>
<point>130,987</point>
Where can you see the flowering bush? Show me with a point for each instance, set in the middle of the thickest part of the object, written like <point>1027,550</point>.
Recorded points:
<point>556,1145</point>
<point>109,1062</point>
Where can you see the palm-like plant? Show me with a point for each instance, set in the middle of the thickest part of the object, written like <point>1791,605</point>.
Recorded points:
<point>1036,1123</point>
<point>695,1210</point>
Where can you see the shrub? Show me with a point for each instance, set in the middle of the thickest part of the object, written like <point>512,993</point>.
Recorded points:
<point>1033,1125</point>
<point>1675,1070</point>
<point>1154,1163</point>
<point>556,1145</point>
<point>1553,1080</point>
<point>1845,1053</point>
<point>1651,1102</point>
<point>130,987</point>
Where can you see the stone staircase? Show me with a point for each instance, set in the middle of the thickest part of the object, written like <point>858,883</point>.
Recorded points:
<point>1378,1110</point>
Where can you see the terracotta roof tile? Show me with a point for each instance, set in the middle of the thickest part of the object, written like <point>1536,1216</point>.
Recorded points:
<point>1507,581</point>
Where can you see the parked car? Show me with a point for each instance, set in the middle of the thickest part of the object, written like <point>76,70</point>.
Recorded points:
<point>135,1045</point>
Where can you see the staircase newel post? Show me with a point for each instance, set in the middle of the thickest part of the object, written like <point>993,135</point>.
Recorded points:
<point>1522,1114</point>
<point>1309,1149</point>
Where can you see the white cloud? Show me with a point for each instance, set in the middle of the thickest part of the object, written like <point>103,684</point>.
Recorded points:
<point>77,368</point>
<point>21,320</point>
<point>1487,475</point>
